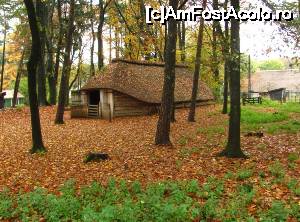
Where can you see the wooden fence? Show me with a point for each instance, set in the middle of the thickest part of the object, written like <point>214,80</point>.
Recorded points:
<point>293,96</point>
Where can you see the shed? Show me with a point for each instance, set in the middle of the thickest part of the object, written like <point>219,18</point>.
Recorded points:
<point>8,99</point>
<point>278,94</point>
<point>129,88</point>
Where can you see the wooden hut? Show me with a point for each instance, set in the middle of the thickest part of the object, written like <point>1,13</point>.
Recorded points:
<point>129,88</point>
<point>278,94</point>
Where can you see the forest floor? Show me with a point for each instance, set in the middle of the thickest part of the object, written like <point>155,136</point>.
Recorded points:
<point>273,167</point>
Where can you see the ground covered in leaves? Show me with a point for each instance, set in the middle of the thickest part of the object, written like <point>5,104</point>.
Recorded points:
<point>273,169</point>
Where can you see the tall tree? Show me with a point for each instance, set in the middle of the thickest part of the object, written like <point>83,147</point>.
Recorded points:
<point>37,141</point>
<point>215,61</point>
<point>79,64</point>
<point>164,122</point>
<point>59,41</point>
<point>191,117</point>
<point>18,78</point>
<point>64,84</point>
<point>92,65</point>
<point>226,51</point>
<point>50,58</point>
<point>41,13</point>
<point>102,10</point>
<point>182,39</point>
<point>3,52</point>
<point>233,148</point>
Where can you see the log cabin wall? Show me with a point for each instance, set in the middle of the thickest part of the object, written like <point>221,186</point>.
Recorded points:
<point>106,104</point>
<point>79,111</point>
<point>79,105</point>
<point>125,105</point>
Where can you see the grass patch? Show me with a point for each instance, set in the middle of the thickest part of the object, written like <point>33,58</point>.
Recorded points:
<point>290,107</point>
<point>277,170</point>
<point>292,126</point>
<point>244,174</point>
<point>251,116</point>
<point>276,120</point>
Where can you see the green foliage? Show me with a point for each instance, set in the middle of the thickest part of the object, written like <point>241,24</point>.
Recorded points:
<point>167,201</point>
<point>277,212</point>
<point>6,205</point>
<point>23,89</point>
<point>295,211</point>
<point>244,174</point>
<point>292,157</point>
<point>277,170</point>
<point>294,186</point>
<point>213,188</point>
<point>183,140</point>
<point>237,206</point>
<point>273,64</point>
<point>245,66</point>
<point>164,201</point>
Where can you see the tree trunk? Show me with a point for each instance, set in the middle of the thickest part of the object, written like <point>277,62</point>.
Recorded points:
<point>117,43</point>
<point>100,35</point>
<point>78,72</point>
<point>51,80</point>
<point>181,36</point>
<point>163,125</point>
<point>191,117</point>
<point>166,40</point>
<point>233,148</point>
<point>225,93</point>
<point>64,85</point>
<point>215,62</point>
<point>18,78</point>
<point>110,44</point>
<point>60,40</point>
<point>79,64</point>
<point>41,12</point>
<point>50,61</point>
<point>3,54</point>
<point>173,108</point>
<point>92,68</point>
<point>226,65</point>
<point>37,141</point>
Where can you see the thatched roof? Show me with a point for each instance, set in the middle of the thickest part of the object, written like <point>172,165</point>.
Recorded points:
<point>144,81</point>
